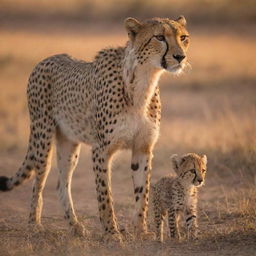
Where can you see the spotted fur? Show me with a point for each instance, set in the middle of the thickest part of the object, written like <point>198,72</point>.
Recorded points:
<point>176,196</point>
<point>111,103</point>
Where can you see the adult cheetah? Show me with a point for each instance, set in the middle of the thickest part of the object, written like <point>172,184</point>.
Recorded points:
<point>111,103</point>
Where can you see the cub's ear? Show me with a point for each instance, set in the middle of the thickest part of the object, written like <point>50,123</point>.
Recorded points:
<point>175,162</point>
<point>182,20</point>
<point>132,26</point>
<point>204,159</point>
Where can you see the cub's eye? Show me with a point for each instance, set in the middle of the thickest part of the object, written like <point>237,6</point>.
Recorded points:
<point>193,171</point>
<point>160,37</point>
<point>183,37</point>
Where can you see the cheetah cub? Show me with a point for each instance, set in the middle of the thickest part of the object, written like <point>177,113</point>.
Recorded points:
<point>177,195</point>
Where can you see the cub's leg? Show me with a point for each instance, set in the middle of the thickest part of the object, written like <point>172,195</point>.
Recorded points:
<point>159,221</point>
<point>102,171</point>
<point>173,223</point>
<point>191,223</point>
<point>141,168</point>
<point>67,158</point>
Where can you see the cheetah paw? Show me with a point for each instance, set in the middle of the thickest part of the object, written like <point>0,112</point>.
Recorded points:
<point>159,239</point>
<point>146,235</point>
<point>78,230</point>
<point>113,239</point>
<point>35,228</point>
<point>193,236</point>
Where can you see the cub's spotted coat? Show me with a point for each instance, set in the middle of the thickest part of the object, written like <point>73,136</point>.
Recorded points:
<point>111,103</point>
<point>175,196</point>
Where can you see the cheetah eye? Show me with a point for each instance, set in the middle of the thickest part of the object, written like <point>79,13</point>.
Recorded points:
<point>183,37</point>
<point>160,38</point>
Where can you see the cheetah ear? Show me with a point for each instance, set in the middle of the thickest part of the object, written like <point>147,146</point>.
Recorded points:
<point>182,20</point>
<point>204,159</point>
<point>132,26</point>
<point>175,162</point>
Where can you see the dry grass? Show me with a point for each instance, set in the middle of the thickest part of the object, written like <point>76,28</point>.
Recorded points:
<point>210,110</point>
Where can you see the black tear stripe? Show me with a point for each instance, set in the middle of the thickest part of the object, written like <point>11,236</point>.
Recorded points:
<point>163,61</point>
<point>194,180</point>
<point>190,218</point>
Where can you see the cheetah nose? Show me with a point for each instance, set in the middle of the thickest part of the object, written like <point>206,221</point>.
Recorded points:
<point>200,181</point>
<point>178,57</point>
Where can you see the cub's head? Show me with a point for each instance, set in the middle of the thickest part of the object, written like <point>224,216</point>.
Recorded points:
<point>161,43</point>
<point>191,168</point>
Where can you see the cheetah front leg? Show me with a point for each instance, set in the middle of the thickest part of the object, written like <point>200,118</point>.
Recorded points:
<point>102,171</point>
<point>141,168</point>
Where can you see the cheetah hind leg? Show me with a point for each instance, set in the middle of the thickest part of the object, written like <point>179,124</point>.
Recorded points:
<point>42,149</point>
<point>67,159</point>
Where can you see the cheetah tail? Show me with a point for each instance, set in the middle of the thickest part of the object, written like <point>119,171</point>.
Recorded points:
<point>24,173</point>
<point>3,183</point>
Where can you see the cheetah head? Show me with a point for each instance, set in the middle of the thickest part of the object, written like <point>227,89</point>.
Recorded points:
<point>161,43</point>
<point>191,168</point>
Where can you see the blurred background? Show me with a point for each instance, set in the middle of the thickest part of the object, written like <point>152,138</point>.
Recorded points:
<point>197,11</point>
<point>210,109</point>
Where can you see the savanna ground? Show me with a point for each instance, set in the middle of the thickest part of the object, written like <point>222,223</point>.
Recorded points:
<point>211,110</point>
